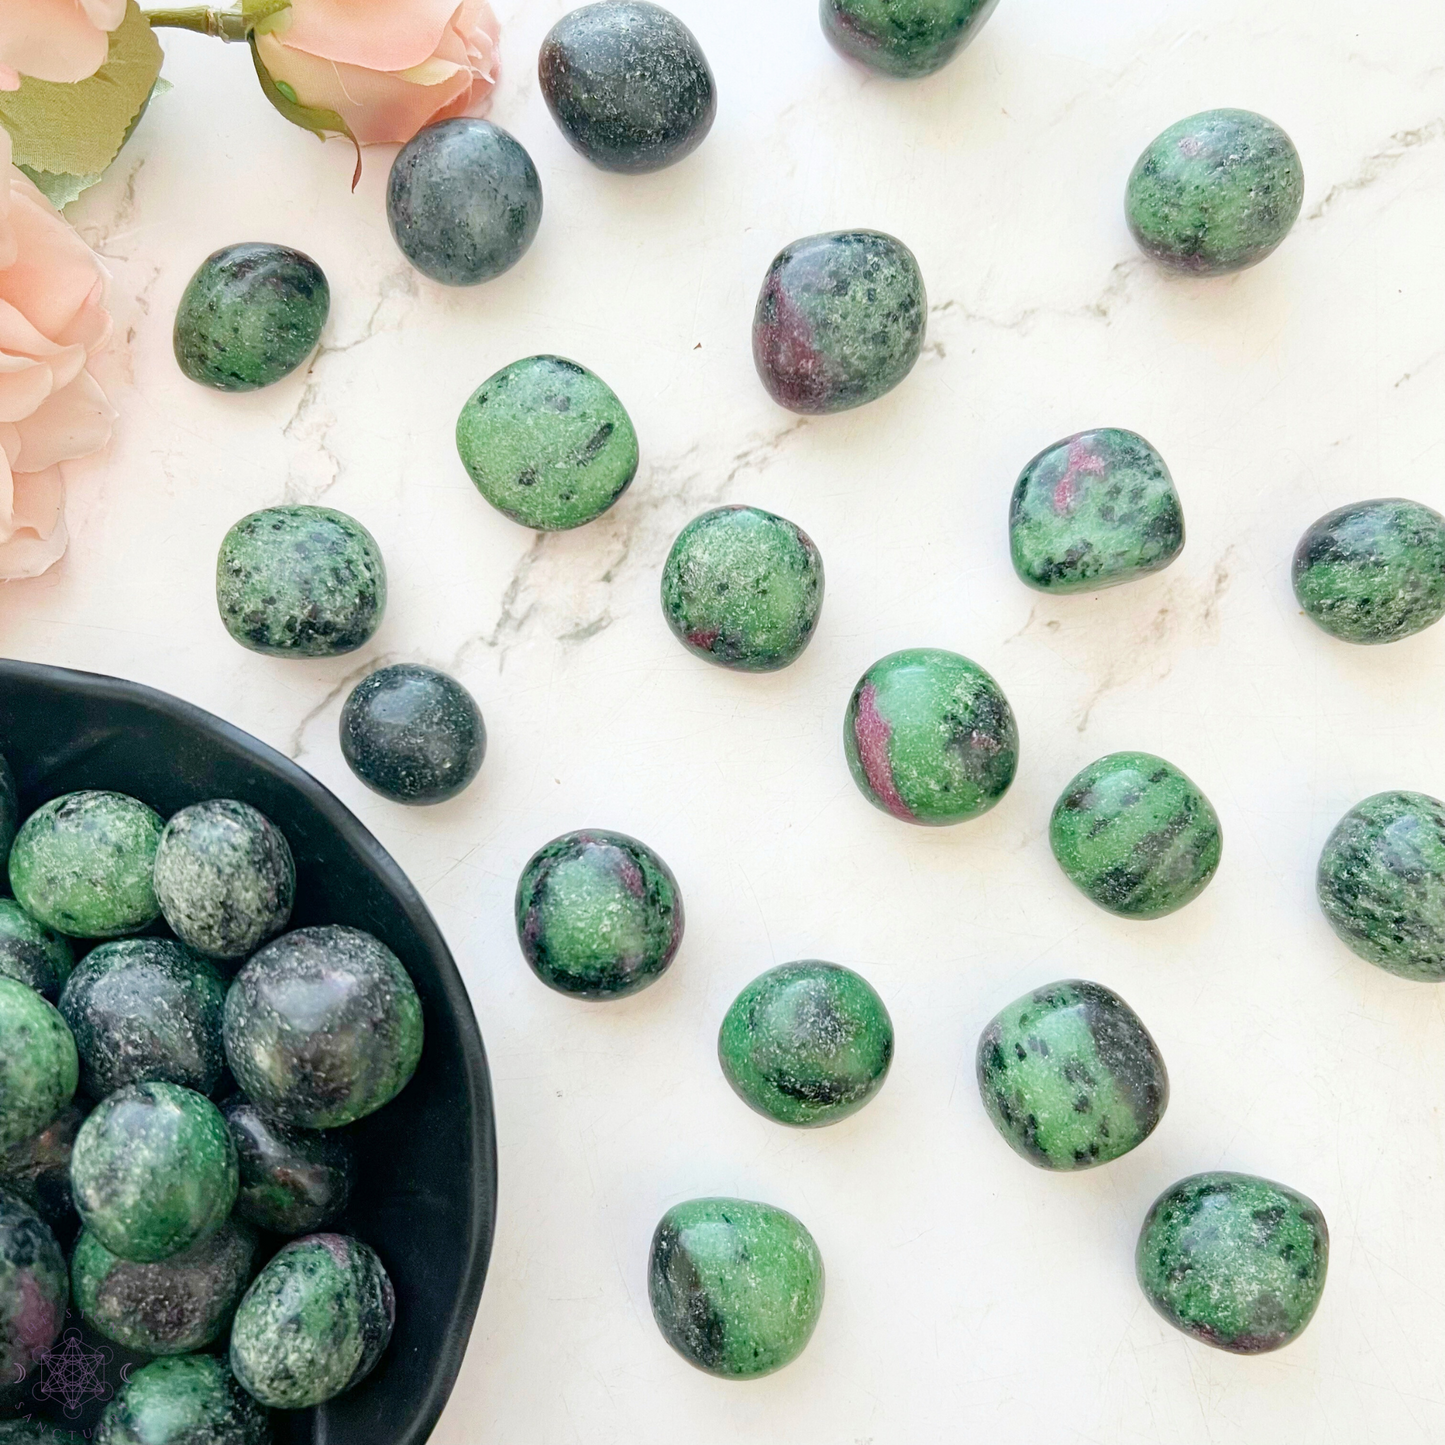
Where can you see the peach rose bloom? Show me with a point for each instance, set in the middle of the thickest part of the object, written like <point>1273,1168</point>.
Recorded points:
<point>52,319</point>
<point>63,40</point>
<point>387,67</point>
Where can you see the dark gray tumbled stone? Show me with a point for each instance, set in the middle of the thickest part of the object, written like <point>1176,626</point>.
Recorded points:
<point>33,1288</point>
<point>38,1168</point>
<point>293,1181</point>
<point>31,953</point>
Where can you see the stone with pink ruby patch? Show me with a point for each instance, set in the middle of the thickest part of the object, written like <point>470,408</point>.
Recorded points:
<point>34,1288</point>
<point>930,737</point>
<point>1092,511</point>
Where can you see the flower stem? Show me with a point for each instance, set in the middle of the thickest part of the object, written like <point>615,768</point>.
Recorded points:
<point>223,24</point>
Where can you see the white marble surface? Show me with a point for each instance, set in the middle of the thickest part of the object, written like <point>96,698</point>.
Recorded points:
<point>969,1296</point>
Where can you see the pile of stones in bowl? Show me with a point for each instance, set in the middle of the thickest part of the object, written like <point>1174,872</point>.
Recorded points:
<point>177,1105</point>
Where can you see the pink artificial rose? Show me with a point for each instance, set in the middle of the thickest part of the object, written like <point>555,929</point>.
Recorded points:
<point>64,40</point>
<point>387,67</point>
<point>52,320</point>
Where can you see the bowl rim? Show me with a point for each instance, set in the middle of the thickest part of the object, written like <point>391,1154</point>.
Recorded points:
<point>102,688</point>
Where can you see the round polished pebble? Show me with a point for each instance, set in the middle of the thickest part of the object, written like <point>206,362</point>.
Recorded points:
<point>743,588</point>
<point>1135,835</point>
<point>806,1043</point>
<point>464,201</point>
<point>224,877</point>
<point>736,1287</point>
<point>904,38</point>
<point>1071,1077</point>
<point>37,1169</point>
<point>38,1063</point>
<point>31,953</point>
<point>33,1288</point>
<point>930,737</point>
<point>145,1009</point>
<point>628,85</point>
<point>1381,883</point>
<point>599,915</point>
<point>172,1306</point>
<point>250,315</point>
<point>1373,571</point>
<point>1215,193</point>
<point>153,1171</point>
<point>547,443</point>
<point>9,808</point>
<point>323,1027</point>
<point>839,321</point>
<point>190,1400</point>
<point>1092,511</point>
<point>293,1181</point>
<point>300,582</point>
<point>413,734</point>
<point>82,864</point>
<point>315,1322</point>
<point>1235,1261</point>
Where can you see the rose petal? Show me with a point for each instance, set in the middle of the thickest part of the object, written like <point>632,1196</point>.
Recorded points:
<point>51,39</point>
<point>372,34</point>
<point>106,13</point>
<point>54,272</point>
<point>24,385</point>
<point>33,535</point>
<point>71,423</point>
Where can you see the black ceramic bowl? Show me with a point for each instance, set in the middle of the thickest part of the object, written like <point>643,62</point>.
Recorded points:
<point>427,1181</point>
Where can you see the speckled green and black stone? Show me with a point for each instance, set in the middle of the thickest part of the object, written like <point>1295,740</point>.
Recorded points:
<point>413,734</point>
<point>250,315</point>
<point>628,85</point>
<point>224,877</point>
<point>82,864</point>
<point>190,1400</point>
<point>930,737</point>
<point>736,1287</point>
<point>36,1432</point>
<point>599,915</point>
<point>464,201</point>
<point>547,443</point>
<point>323,1027</point>
<point>33,1287</point>
<point>903,38</point>
<point>743,588</point>
<point>153,1171</point>
<point>169,1307</point>
<point>300,582</point>
<point>38,1063</point>
<point>1233,1260</point>
<point>1215,193</point>
<point>38,1169</point>
<point>293,1181</point>
<point>314,1323</point>
<point>840,321</point>
<point>145,1009</point>
<point>31,953</point>
<point>1373,571</point>
<point>1135,835</point>
<point>806,1043</point>
<point>1092,511</point>
<point>9,809</point>
<point>1381,883</point>
<point>1070,1076</point>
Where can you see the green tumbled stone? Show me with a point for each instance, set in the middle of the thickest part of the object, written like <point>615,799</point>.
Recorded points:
<point>906,38</point>
<point>547,443</point>
<point>736,1287</point>
<point>250,315</point>
<point>1135,835</point>
<point>1092,511</point>
<point>292,1180</point>
<point>300,582</point>
<point>145,1009</point>
<point>1070,1076</point>
<point>1235,1261</point>
<point>31,953</point>
<point>1215,193</point>
<point>806,1043</point>
<point>153,1171</point>
<point>1381,883</point>
<point>83,864</point>
<point>599,915</point>
<point>9,809</point>
<point>36,1432</point>
<point>193,1400</point>
<point>930,737</point>
<point>172,1306</point>
<point>1373,571</point>
<point>33,1288</point>
<point>314,1323</point>
<point>743,588</point>
<point>39,1067</point>
<point>38,1168</point>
